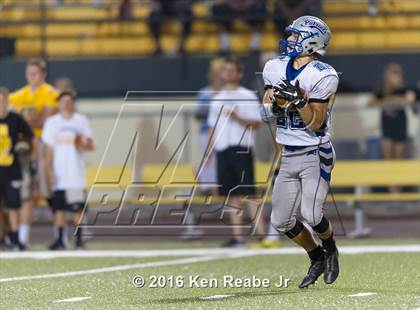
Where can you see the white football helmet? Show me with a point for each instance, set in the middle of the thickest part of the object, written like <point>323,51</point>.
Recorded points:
<point>314,37</point>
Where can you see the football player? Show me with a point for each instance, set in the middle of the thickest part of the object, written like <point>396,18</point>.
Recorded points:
<point>300,91</point>
<point>15,137</point>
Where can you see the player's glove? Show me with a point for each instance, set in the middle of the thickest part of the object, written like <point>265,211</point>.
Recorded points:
<point>269,111</point>
<point>293,95</point>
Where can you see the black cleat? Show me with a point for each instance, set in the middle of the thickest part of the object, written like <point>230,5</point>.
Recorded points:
<point>57,245</point>
<point>332,268</point>
<point>315,270</point>
<point>17,246</point>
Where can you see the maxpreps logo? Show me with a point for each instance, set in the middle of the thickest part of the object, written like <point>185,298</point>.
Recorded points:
<point>314,24</point>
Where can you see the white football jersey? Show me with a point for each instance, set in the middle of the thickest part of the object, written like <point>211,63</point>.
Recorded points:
<point>320,81</point>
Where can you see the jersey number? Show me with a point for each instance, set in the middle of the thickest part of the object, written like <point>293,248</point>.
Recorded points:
<point>292,121</point>
<point>6,158</point>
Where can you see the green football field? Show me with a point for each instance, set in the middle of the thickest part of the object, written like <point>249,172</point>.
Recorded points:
<point>375,275</point>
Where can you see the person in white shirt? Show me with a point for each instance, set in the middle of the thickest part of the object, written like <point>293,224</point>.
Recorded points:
<point>67,135</point>
<point>233,117</point>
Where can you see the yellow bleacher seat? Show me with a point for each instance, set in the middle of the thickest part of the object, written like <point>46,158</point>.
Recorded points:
<point>103,37</point>
<point>74,13</point>
<point>375,40</point>
<point>340,7</point>
<point>201,10</point>
<point>28,48</point>
<point>88,47</point>
<point>396,22</point>
<point>99,30</point>
<point>141,10</point>
<point>270,41</point>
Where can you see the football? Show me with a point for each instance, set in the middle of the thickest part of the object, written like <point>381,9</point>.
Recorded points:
<point>281,102</point>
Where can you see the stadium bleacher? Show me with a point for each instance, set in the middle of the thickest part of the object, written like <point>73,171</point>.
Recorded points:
<point>79,28</point>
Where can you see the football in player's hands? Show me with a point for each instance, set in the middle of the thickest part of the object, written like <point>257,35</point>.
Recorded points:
<point>82,142</point>
<point>293,94</point>
<point>278,101</point>
<point>78,142</point>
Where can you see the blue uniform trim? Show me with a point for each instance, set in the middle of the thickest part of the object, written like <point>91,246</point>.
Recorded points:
<point>326,161</point>
<point>325,175</point>
<point>292,73</point>
<point>326,150</point>
<point>293,148</point>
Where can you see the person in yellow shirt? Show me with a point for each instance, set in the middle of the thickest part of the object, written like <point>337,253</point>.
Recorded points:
<point>36,101</point>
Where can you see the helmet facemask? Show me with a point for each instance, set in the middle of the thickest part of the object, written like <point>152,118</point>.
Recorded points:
<point>291,48</point>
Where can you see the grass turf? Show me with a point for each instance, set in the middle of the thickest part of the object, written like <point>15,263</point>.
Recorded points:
<point>394,278</point>
<point>179,243</point>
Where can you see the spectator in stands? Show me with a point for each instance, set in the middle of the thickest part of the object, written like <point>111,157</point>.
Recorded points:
<point>373,7</point>
<point>15,137</point>
<point>232,119</point>
<point>393,98</point>
<point>253,12</point>
<point>125,10</point>
<point>163,10</point>
<point>285,11</point>
<point>35,102</point>
<point>67,135</point>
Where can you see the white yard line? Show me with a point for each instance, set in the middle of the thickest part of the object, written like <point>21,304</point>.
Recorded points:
<point>73,299</point>
<point>410,248</point>
<point>361,294</point>
<point>181,261</point>
<point>215,297</point>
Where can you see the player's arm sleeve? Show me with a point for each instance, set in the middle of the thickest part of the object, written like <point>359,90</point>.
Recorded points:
<point>323,89</point>
<point>25,129</point>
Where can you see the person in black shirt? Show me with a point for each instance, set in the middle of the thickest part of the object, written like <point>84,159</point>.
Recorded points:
<point>15,137</point>
<point>393,98</point>
<point>286,11</point>
<point>163,10</point>
<point>253,12</point>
